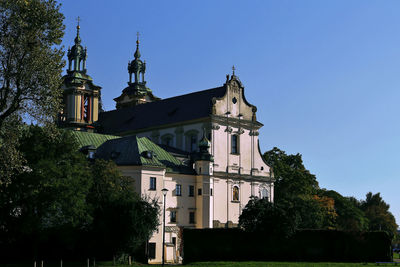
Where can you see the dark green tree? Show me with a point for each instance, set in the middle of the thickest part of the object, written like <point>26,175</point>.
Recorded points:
<point>350,216</point>
<point>123,220</point>
<point>278,219</point>
<point>292,178</point>
<point>378,214</point>
<point>296,187</point>
<point>50,194</point>
<point>30,62</point>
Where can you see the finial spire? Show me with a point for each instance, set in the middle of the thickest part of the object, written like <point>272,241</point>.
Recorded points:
<point>137,53</point>
<point>233,70</point>
<point>78,38</point>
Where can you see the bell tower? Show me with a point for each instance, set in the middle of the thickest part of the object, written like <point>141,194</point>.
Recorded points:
<point>137,92</point>
<point>81,98</point>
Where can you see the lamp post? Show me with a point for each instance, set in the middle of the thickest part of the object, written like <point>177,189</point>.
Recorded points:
<point>164,192</point>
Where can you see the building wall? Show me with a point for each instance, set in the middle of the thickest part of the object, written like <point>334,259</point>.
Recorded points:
<point>215,206</point>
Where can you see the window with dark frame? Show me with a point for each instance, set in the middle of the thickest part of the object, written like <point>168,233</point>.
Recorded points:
<point>191,190</point>
<point>199,192</point>
<point>191,217</point>
<point>178,190</point>
<point>152,250</point>
<point>235,144</point>
<point>173,216</point>
<point>153,183</point>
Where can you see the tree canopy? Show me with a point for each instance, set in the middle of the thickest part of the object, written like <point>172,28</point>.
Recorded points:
<point>30,59</point>
<point>298,197</point>
<point>64,203</point>
<point>292,178</point>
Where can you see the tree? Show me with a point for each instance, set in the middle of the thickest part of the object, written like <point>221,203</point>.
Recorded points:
<point>350,216</point>
<point>123,220</point>
<point>292,178</point>
<point>297,186</point>
<point>30,62</point>
<point>11,159</point>
<point>378,214</point>
<point>315,212</point>
<point>51,193</point>
<point>260,215</point>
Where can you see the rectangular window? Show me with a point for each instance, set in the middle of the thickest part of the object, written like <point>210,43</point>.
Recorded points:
<point>152,250</point>
<point>178,190</point>
<point>199,191</point>
<point>173,216</point>
<point>152,183</point>
<point>235,144</point>
<point>191,190</point>
<point>174,241</point>
<point>211,193</point>
<point>191,217</point>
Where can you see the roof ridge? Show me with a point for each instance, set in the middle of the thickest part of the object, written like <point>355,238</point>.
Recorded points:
<point>165,99</point>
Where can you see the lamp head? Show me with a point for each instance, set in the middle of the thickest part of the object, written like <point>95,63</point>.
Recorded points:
<point>164,191</point>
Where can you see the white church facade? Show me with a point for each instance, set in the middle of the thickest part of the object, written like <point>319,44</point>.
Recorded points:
<point>202,147</point>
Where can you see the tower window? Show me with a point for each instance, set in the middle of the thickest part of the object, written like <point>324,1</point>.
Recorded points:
<point>235,144</point>
<point>86,108</point>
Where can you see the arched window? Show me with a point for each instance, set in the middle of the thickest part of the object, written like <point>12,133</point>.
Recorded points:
<point>167,139</point>
<point>191,140</point>
<point>264,193</point>
<point>235,144</point>
<point>235,193</point>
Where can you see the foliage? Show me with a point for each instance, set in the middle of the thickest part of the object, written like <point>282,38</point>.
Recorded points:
<point>315,212</point>
<point>11,160</point>
<point>350,216</point>
<point>292,178</point>
<point>48,199</point>
<point>378,214</point>
<point>30,62</point>
<point>122,219</point>
<point>51,192</point>
<point>260,215</point>
<point>296,187</point>
<point>63,202</point>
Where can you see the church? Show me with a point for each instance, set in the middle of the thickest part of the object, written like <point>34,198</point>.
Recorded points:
<point>202,147</point>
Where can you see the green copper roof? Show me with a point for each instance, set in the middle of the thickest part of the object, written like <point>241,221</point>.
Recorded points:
<point>94,139</point>
<point>133,150</point>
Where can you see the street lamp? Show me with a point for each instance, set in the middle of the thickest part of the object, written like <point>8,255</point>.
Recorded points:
<point>164,192</point>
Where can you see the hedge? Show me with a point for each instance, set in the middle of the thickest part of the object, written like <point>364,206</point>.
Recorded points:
<point>305,245</point>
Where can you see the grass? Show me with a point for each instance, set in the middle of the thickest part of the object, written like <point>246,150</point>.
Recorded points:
<point>396,255</point>
<point>213,264</point>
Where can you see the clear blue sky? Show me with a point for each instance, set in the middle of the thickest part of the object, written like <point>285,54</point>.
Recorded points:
<point>325,75</point>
